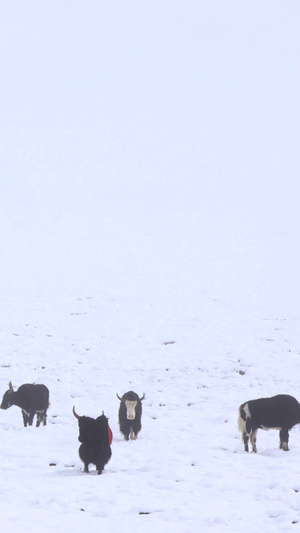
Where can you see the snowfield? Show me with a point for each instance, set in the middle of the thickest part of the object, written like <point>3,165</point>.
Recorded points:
<point>187,470</point>
<point>150,242</point>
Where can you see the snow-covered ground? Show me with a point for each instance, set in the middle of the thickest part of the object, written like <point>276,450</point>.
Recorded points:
<point>150,241</point>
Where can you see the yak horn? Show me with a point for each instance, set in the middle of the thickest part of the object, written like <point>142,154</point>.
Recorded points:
<point>75,414</point>
<point>142,397</point>
<point>118,397</point>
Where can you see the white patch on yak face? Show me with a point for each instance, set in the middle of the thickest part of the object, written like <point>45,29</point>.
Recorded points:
<point>130,406</point>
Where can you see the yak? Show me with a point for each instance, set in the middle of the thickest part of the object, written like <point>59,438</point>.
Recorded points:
<point>32,398</point>
<point>278,412</point>
<point>96,438</point>
<point>130,414</point>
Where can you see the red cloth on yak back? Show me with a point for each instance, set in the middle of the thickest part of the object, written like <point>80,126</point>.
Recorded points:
<point>110,435</point>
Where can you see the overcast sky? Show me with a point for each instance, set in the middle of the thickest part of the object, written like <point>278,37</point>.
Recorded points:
<point>186,105</point>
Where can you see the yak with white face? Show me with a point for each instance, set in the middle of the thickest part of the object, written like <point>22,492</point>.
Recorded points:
<point>130,414</point>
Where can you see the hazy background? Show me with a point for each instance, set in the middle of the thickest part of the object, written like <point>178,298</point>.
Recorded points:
<point>173,124</point>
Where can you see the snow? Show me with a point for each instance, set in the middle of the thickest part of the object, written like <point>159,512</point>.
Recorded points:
<point>150,241</point>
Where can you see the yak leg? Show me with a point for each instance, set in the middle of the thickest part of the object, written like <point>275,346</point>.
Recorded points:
<point>249,433</point>
<point>133,436</point>
<point>246,440</point>
<point>41,416</point>
<point>103,458</point>
<point>126,434</point>
<point>84,456</point>
<point>253,440</point>
<point>25,418</point>
<point>100,468</point>
<point>284,439</point>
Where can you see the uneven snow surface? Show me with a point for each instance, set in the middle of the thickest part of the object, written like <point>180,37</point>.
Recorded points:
<point>149,226</point>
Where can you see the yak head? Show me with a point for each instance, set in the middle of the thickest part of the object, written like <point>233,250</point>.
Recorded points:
<point>86,426</point>
<point>130,399</point>
<point>7,400</point>
<point>89,428</point>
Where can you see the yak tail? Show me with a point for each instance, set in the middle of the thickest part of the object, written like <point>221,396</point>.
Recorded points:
<point>240,422</point>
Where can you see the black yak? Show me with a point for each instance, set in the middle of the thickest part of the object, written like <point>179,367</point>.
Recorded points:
<point>278,412</point>
<point>96,437</point>
<point>130,414</point>
<point>33,399</point>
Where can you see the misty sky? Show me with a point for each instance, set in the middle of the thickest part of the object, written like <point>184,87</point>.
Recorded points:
<point>190,106</point>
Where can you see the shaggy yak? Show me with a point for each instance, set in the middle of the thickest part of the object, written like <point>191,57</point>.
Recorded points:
<point>31,398</point>
<point>278,412</point>
<point>130,414</point>
<point>96,438</point>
